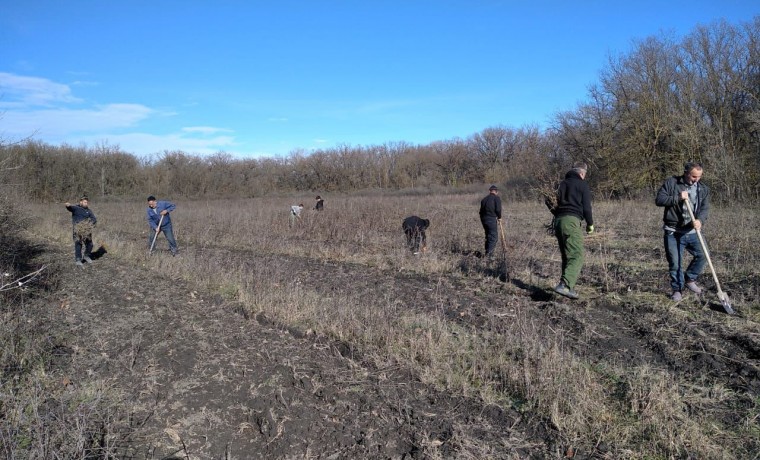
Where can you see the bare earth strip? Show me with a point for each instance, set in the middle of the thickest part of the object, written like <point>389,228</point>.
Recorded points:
<point>203,381</point>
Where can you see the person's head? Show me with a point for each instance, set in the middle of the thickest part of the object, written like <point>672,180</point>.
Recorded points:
<point>318,198</point>
<point>151,201</point>
<point>300,205</point>
<point>581,168</point>
<point>692,172</point>
<point>493,190</point>
<point>84,201</point>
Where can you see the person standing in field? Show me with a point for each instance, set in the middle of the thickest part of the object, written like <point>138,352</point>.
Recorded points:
<point>158,211</point>
<point>490,218</point>
<point>295,213</point>
<point>414,228</point>
<point>680,232</point>
<point>83,220</point>
<point>573,207</point>
<point>320,205</point>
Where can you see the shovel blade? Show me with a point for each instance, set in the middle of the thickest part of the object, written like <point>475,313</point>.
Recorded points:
<point>725,303</point>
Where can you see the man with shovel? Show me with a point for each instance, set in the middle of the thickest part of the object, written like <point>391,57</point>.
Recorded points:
<point>680,230</point>
<point>159,221</point>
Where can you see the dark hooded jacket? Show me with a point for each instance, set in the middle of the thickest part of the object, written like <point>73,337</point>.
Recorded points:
<point>574,198</point>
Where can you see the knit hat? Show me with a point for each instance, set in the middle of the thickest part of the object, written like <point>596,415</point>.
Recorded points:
<point>151,198</point>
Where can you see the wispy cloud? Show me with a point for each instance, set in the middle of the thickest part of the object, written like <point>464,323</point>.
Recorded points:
<point>49,111</point>
<point>145,143</point>
<point>17,91</point>
<point>59,122</point>
<point>205,130</point>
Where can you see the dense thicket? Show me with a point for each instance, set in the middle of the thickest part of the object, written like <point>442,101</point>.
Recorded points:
<point>663,103</point>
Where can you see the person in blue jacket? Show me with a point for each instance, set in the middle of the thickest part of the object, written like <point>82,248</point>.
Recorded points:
<point>157,209</point>
<point>79,214</point>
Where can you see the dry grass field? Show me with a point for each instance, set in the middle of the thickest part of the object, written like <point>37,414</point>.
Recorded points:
<point>621,373</point>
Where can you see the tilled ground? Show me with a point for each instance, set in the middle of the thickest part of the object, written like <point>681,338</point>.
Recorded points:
<point>205,381</point>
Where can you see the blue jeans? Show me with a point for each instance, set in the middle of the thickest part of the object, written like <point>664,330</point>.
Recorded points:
<point>675,243</point>
<point>168,233</point>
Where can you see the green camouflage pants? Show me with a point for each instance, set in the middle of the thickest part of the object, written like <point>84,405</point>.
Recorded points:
<point>570,238</point>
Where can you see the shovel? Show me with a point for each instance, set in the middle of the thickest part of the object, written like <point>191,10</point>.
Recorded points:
<point>158,229</point>
<point>502,236</point>
<point>721,295</point>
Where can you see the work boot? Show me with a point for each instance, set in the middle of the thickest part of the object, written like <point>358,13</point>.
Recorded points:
<point>676,295</point>
<point>693,287</point>
<point>561,289</point>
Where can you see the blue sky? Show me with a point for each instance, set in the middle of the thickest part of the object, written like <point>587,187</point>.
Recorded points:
<point>266,78</point>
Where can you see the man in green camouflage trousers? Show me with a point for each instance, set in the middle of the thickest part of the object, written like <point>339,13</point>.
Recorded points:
<point>573,206</point>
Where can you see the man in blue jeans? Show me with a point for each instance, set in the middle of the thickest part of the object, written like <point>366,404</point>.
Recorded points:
<point>156,210</point>
<point>680,232</point>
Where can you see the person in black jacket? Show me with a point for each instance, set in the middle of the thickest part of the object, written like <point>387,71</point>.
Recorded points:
<point>490,217</point>
<point>320,205</point>
<point>680,232</point>
<point>82,221</point>
<point>414,227</point>
<point>573,207</point>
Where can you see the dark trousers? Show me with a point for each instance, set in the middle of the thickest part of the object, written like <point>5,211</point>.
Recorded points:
<point>414,238</point>
<point>491,228</point>
<point>78,243</point>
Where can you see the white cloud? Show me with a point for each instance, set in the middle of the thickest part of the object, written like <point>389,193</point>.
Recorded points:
<point>145,144</point>
<point>57,123</point>
<point>20,91</point>
<point>48,111</point>
<point>205,130</point>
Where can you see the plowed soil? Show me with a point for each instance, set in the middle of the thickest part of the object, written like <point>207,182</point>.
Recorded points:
<point>208,381</point>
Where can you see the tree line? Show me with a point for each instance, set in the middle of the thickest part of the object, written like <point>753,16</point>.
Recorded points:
<point>661,104</point>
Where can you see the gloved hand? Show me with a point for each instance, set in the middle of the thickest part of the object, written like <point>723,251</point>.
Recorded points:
<point>589,229</point>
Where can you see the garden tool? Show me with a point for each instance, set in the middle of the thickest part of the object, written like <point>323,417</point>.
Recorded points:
<point>158,229</point>
<point>503,237</point>
<point>721,295</point>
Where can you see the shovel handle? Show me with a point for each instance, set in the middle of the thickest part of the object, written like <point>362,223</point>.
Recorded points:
<point>158,229</point>
<point>704,248</point>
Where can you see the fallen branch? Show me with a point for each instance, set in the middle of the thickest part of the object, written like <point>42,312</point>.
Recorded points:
<point>21,281</point>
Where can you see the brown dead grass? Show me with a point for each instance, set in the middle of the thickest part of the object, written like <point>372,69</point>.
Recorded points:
<point>637,411</point>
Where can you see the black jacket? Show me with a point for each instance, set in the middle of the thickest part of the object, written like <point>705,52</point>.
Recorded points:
<point>668,197</point>
<point>415,224</point>
<point>490,207</point>
<point>574,198</point>
<point>79,213</point>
